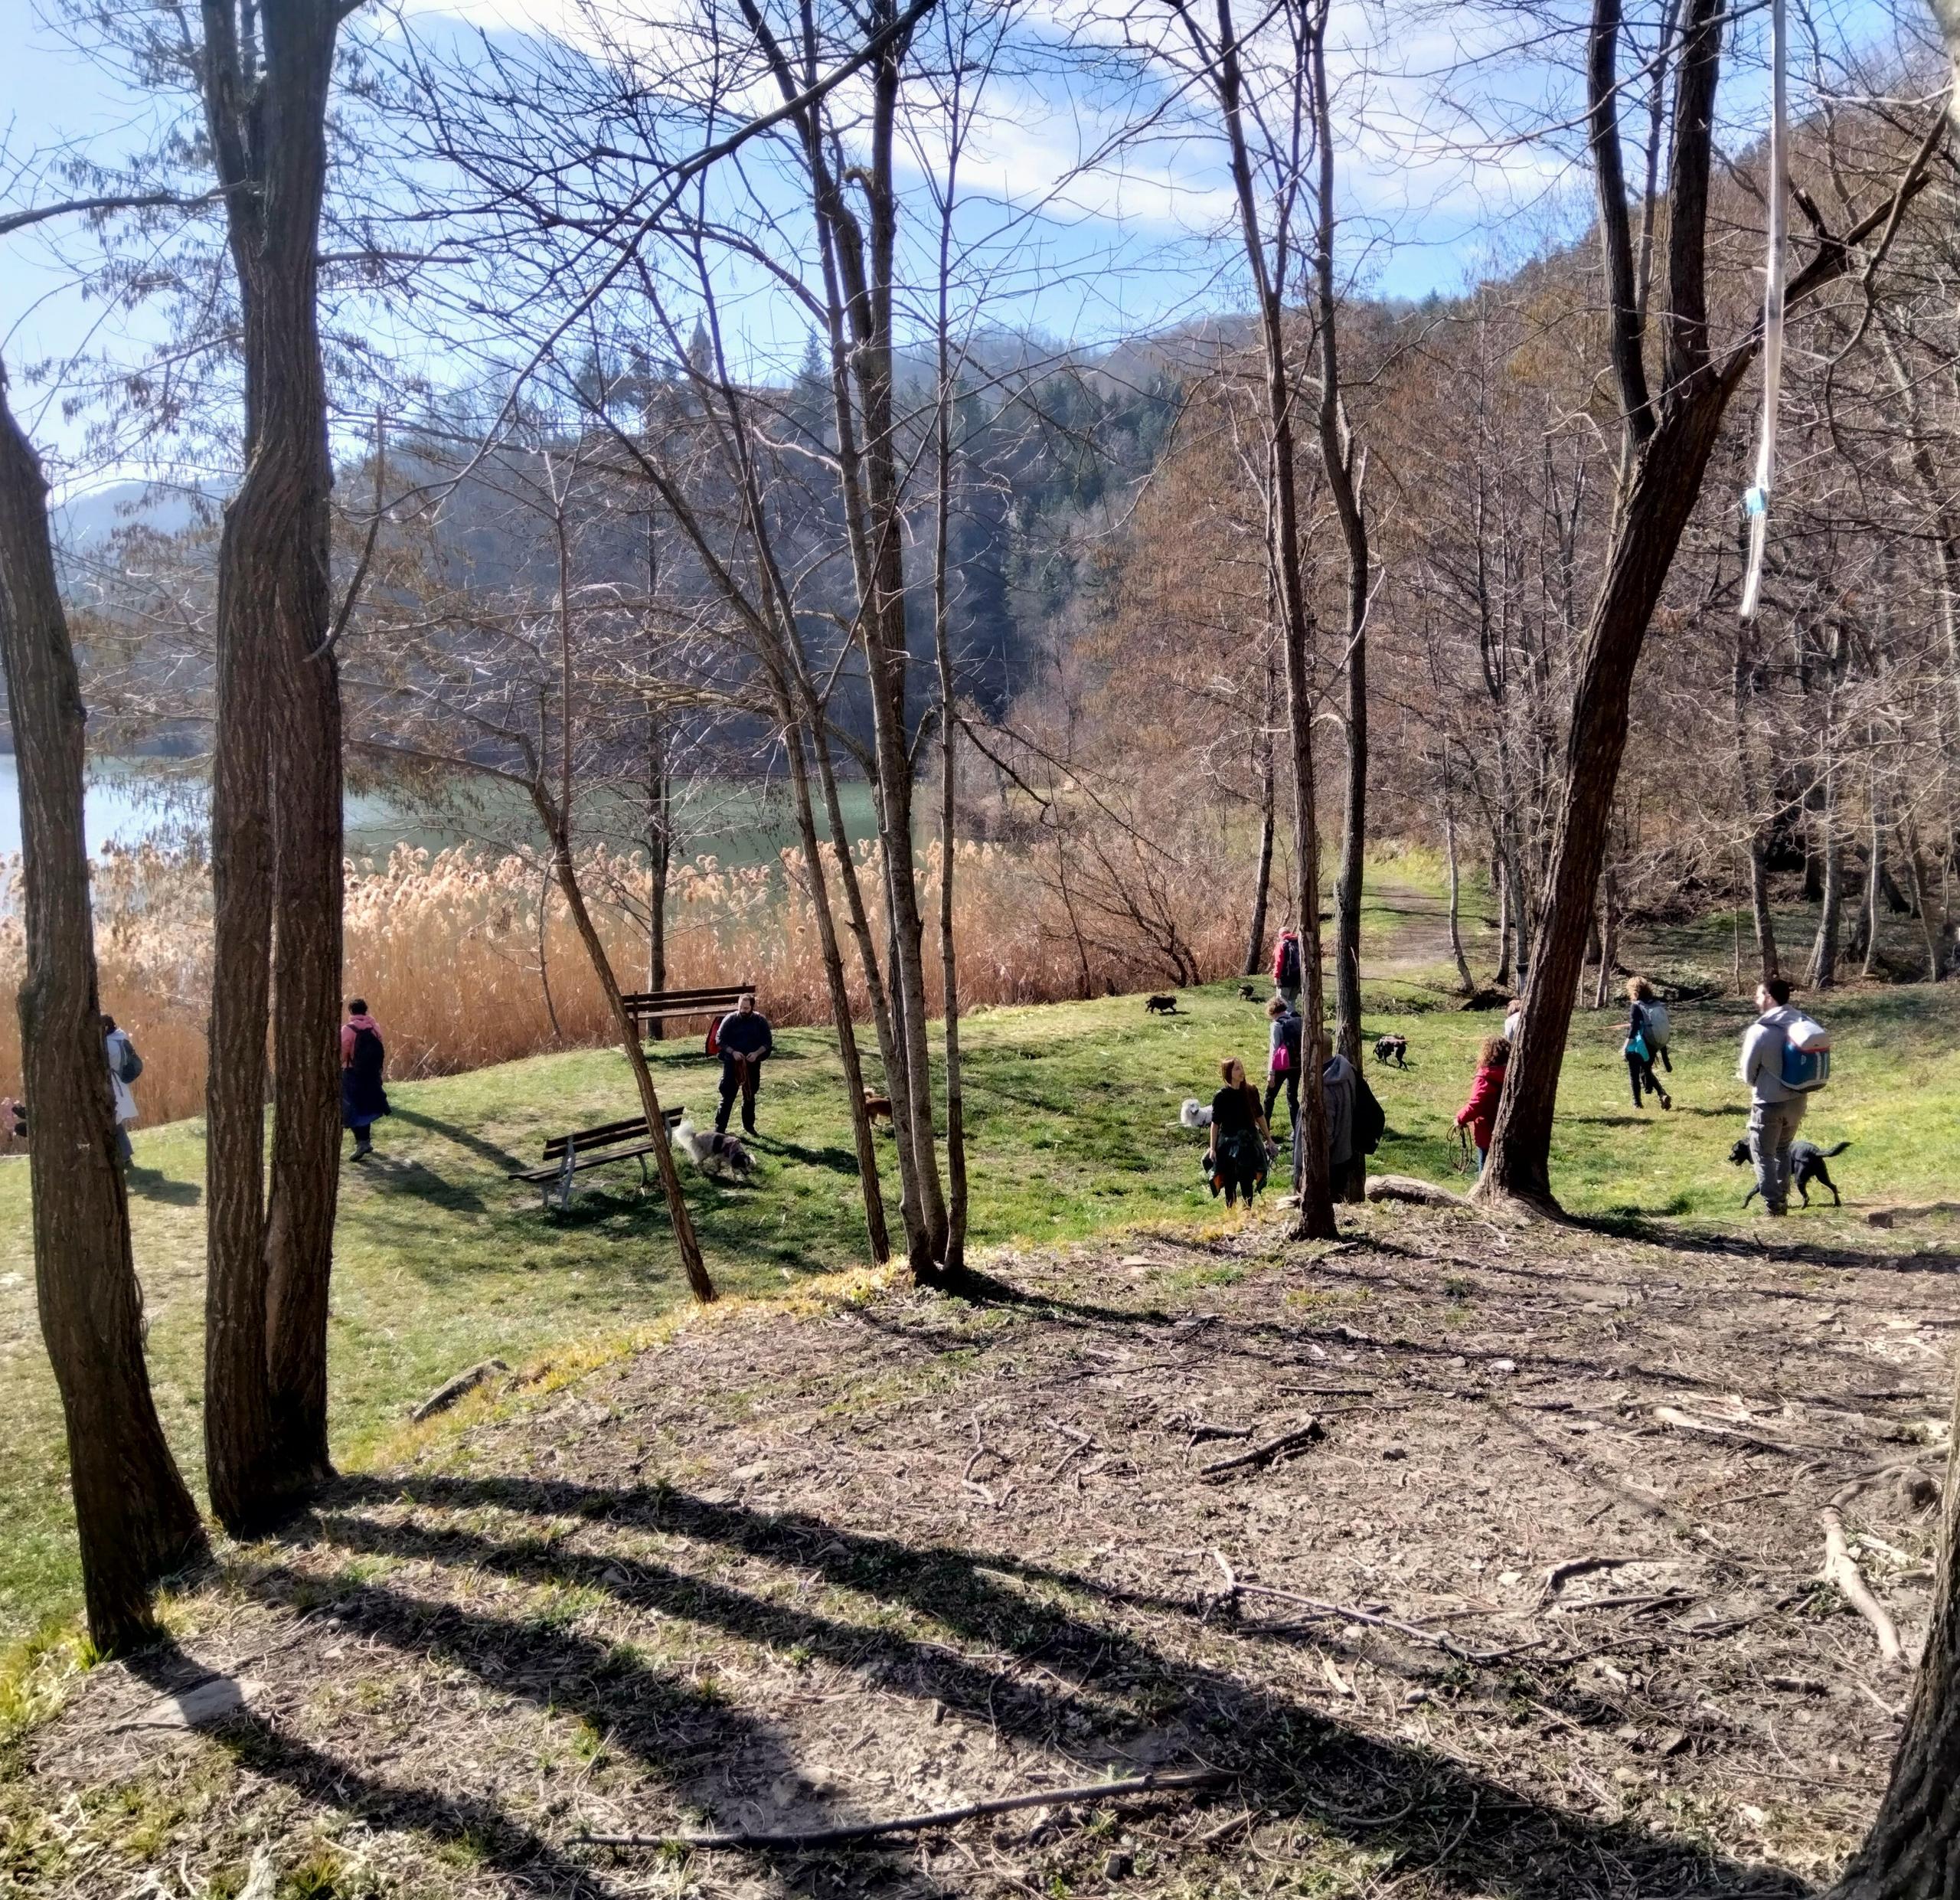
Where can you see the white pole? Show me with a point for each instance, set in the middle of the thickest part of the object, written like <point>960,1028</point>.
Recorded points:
<point>1755,503</point>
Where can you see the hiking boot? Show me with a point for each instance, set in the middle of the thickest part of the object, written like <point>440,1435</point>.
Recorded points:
<point>1667,1100</point>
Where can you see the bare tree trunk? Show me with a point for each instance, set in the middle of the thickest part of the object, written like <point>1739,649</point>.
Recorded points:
<point>954,1252</point>
<point>275,806</point>
<point>1268,814</point>
<point>1821,971</point>
<point>1874,874</point>
<point>1465,981</point>
<point>1666,481</point>
<point>134,1519</point>
<point>1501,880</point>
<point>659,817</point>
<point>699,1283</point>
<point>1609,939</point>
<point>862,1138</point>
<point>1312,1177</point>
<point>1932,918</point>
<point>1344,467</point>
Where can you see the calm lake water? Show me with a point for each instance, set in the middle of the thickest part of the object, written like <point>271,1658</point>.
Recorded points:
<point>128,803</point>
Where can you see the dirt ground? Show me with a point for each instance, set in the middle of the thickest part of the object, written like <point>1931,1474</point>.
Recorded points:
<point>1535,1611</point>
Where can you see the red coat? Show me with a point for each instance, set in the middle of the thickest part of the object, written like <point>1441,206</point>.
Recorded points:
<point>1480,1111</point>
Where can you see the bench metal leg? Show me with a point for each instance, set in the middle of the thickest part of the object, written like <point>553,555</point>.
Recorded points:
<point>566,1168</point>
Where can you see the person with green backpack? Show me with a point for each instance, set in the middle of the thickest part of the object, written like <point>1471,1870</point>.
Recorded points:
<point>1785,1059</point>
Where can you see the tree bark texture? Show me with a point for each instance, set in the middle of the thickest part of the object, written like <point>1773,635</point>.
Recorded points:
<point>1914,1845</point>
<point>1268,816</point>
<point>134,1519</point>
<point>275,808</point>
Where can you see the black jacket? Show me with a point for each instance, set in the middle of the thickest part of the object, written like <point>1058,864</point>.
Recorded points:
<point>749,1035</point>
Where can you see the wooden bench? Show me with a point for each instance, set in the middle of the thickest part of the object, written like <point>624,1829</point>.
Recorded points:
<point>667,1006</point>
<point>565,1156</point>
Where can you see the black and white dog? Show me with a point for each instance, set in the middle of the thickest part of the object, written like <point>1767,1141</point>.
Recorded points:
<point>1392,1048</point>
<point>1807,1161</point>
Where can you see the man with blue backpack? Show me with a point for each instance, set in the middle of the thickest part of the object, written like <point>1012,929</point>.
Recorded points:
<point>1785,1058</point>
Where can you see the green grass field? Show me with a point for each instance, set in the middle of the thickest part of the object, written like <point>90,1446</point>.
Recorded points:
<point>1073,1124</point>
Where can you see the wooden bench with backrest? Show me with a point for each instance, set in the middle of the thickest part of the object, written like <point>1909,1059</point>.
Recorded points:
<point>668,1005</point>
<point>565,1156</point>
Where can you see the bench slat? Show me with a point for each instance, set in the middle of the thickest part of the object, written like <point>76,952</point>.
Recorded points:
<point>633,1126</point>
<point>657,996</point>
<point>556,1168</point>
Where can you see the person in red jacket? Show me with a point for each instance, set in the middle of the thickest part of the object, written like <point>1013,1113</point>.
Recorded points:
<point>1289,971</point>
<point>1480,1113</point>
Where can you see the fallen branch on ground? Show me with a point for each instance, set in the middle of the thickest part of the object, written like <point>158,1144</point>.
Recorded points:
<point>457,1389</point>
<point>1348,1613</point>
<point>1841,1568</point>
<point>1273,1448</point>
<point>1560,1574</point>
<point>1687,1421</point>
<point>918,1823</point>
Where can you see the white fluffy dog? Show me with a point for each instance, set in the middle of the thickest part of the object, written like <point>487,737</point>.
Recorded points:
<point>719,1156</point>
<point>1195,1114</point>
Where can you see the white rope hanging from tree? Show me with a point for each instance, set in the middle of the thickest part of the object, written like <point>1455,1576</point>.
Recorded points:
<point>1756,502</point>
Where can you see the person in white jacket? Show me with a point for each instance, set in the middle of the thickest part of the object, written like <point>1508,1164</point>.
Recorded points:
<point>119,1052</point>
<point>1776,1109</point>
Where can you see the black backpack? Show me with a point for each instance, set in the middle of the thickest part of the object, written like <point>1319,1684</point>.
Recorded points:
<point>1370,1119</point>
<point>132,1067</point>
<point>1289,963</point>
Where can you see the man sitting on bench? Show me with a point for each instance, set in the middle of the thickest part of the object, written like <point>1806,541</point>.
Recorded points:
<point>745,1042</point>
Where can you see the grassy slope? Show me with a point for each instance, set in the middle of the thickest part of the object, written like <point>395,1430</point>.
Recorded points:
<point>1072,1115</point>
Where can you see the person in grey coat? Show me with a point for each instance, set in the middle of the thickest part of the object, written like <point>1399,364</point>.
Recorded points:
<point>1776,1109</point>
<point>1338,1082</point>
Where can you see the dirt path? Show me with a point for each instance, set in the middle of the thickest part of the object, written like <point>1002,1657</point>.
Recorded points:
<point>1417,938</point>
<point>1504,1625</point>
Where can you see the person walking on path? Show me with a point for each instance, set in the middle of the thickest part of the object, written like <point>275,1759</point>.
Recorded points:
<point>363,1054</point>
<point>1776,1110</point>
<point>125,1065</point>
<point>1479,1114</point>
<point>745,1042</point>
<point>1289,972</point>
<point>1646,1034</point>
<point>1236,1155</point>
<point>1282,1061</point>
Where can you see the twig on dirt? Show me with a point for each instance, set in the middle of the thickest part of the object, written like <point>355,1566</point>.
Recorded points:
<point>1199,1432</point>
<point>917,1823</point>
<point>1687,1421</point>
<point>1348,1613</point>
<point>1559,1575</point>
<point>980,1450</point>
<point>1329,1391</point>
<point>1296,1440</point>
<point>1083,1441</point>
<point>1840,1568</point>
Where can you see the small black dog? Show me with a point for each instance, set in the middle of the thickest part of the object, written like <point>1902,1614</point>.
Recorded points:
<point>1392,1048</point>
<point>1247,993</point>
<point>1807,1161</point>
<point>1160,1006</point>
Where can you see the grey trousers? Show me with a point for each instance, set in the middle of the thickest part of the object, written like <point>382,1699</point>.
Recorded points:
<point>1772,1126</point>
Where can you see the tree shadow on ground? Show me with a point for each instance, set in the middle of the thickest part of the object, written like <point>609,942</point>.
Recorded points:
<point>1290,1761</point>
<point>152,1184</point>
<point>478,1829</point>
<point>398,1174</point>
<point>838,1160</point>
<point>478,1145</point>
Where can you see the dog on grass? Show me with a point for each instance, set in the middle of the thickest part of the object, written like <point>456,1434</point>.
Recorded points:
<point>876,1107</point>
<point>1807,1161</point>
<point>1195,1114</point>
<point>1160,1006</point>
<point>1392,1048</point>
<point>1247,993</point>
<point>719,1156</point>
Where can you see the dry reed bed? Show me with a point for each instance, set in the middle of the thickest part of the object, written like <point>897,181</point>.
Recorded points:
<point>468,959</point>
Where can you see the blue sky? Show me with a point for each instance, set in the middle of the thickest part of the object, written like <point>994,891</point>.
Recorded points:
<point>1134,245</point>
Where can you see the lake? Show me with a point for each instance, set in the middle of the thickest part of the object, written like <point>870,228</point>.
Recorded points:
<point>739,822</point>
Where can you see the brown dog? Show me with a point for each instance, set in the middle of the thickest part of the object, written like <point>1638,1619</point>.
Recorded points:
<point>876,1107</point>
